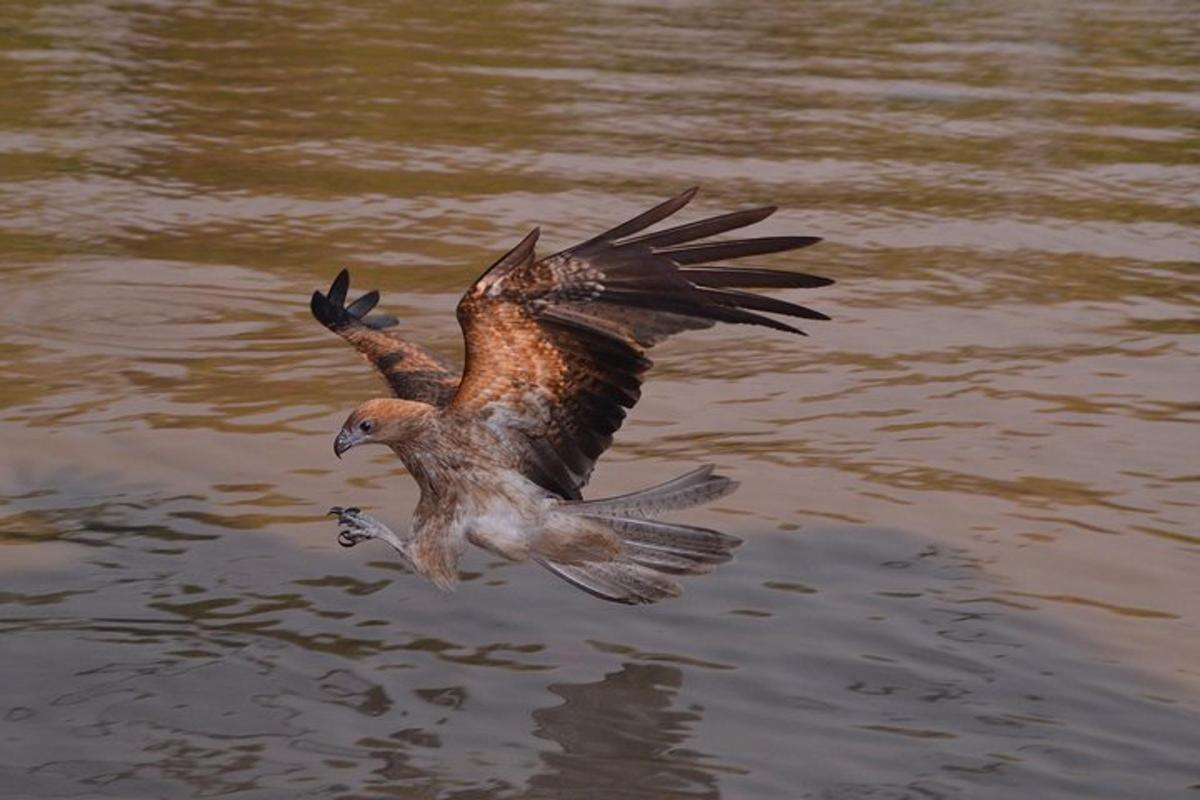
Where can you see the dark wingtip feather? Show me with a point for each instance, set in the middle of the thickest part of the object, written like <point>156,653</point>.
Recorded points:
<point>337,291</point>
<point>363,305</point>
<point>702,228</point>
<point>683,198</point>
<point>332,312</point>
<point>641,221</point>
<point>760,302</point>
<point>332,316</point>
<point>749,278</point>
<point>735,248</point>
<point>321,309</point>
<point>380,321</point>
<point>738,315</point>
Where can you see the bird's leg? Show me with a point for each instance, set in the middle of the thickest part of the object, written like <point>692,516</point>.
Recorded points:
<point>358,527</point>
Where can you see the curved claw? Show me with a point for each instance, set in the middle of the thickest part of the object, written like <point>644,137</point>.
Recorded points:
<point>345,539</point>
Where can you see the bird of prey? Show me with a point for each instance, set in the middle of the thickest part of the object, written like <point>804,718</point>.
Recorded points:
<point>555,354</point>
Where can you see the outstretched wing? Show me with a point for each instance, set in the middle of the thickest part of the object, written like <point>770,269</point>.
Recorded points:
<point>412,372</point>
<point>555,347</point>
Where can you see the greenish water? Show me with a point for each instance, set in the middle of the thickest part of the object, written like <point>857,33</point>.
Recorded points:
<point>970,501</point>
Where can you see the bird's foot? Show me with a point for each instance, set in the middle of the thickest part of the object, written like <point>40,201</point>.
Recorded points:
<point>356,526</point>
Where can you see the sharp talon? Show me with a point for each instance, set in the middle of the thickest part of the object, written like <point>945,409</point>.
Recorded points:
<point>336,511</point>
<point>346,540</point>
<point>352,510</point>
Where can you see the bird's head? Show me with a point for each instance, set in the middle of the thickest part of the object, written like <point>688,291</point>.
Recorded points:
<point>381,421</point>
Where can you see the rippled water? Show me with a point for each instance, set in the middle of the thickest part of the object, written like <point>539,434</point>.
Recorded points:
<point>970,501</point>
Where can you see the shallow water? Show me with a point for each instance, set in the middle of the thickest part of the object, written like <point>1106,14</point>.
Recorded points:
<point>970,501</point>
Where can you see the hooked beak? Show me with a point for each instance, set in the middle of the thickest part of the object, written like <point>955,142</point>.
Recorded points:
<point>346,438</point>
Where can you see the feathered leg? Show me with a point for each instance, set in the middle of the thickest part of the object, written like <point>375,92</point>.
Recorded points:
<point>357,526</point>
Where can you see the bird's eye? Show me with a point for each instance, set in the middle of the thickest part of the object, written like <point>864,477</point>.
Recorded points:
<point>366,426</point>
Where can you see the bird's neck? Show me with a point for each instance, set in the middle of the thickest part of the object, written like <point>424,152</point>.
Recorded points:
<point>417,434</point>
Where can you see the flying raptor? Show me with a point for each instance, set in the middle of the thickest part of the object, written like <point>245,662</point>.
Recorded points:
<point>555,354</point>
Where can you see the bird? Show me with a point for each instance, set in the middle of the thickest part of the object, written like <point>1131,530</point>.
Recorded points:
<point>555,355</point>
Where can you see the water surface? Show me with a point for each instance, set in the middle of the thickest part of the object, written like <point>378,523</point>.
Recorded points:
<point>970,501</point>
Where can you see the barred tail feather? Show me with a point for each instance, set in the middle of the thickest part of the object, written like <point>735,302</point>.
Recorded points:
<point>616,581</point>
<point>645,539</point>
<point>696,488</point>
<point>651,549</point>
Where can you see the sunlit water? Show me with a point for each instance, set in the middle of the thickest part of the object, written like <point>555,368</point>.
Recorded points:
<point>970,501</point>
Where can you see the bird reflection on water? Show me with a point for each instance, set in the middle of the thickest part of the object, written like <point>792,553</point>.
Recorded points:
<point>621,736</point>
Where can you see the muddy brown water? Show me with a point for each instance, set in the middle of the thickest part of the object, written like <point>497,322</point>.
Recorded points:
<point>969,502</point>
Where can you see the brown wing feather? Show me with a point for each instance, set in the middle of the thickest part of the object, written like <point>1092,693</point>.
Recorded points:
<point>555,348</point>
<point>553,391</point>
<point>412,372</point>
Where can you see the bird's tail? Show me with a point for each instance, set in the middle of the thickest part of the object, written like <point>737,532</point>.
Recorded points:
<point>651,550</point>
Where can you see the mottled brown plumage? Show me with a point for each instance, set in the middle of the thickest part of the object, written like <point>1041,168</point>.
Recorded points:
<point>555,355</point>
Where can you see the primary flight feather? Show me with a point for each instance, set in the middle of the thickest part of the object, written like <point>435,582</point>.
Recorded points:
<point>555,354</point>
